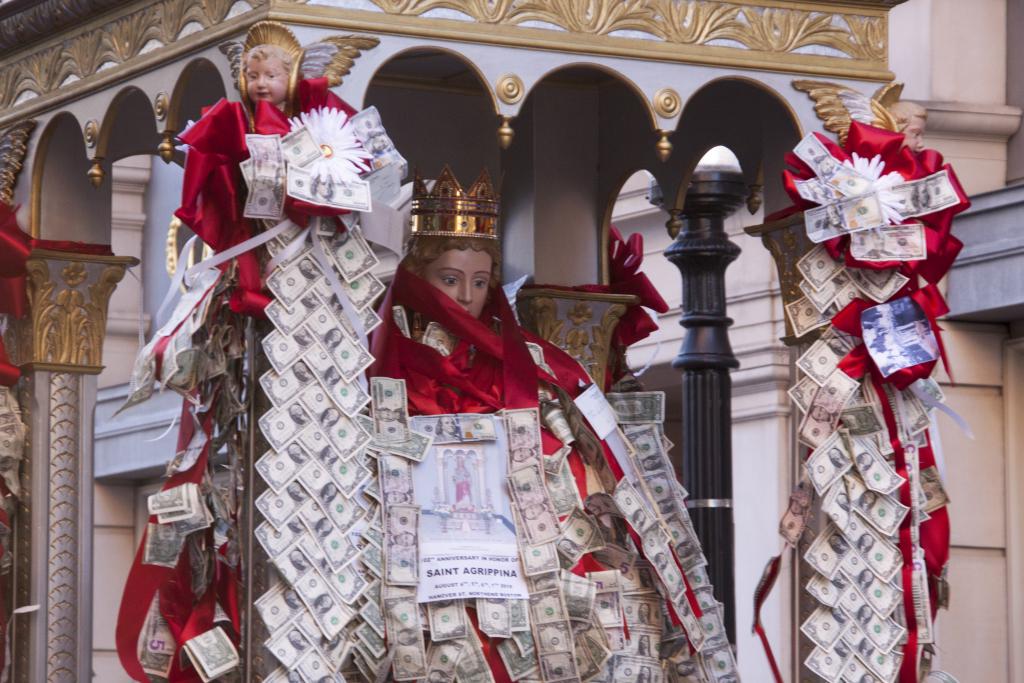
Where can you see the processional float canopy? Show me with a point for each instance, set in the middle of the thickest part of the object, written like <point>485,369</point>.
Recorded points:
<point>449,211</point>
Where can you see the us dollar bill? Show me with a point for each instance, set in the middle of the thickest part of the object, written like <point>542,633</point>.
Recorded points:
<point>794,520</point>
<point>495,617</point>
<point>822,358</point>
<point>925,195</point>
<point>524,443</point>
<point>828,463</point>
<point>934,492</point>
<point>878,285</point>
<point>439,339</point>
<point>163,545</point>
<point>579,533</point>
<point>638,407</point>
<point>267,185</point>
<point>300,148</point>
<point>406,636</point>
<point>895,243</point>
<point>156,644</point>
<point>447,619</point>
<point>472,667</point>
<point>804,316</point>
<point>818,267</point>
<point>520,660</point>
<point>526,484</point>
<point>351,252</point>
<point>827,405</point>
<point>442,658</point>
<point>400,545</point>
<point>212,653</point>
<point>353,195</point>
<point>390,411</point>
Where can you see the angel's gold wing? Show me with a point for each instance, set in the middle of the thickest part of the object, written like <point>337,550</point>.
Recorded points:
<point>334,56</point>
<point>13,147</point>
<point>837,105</point>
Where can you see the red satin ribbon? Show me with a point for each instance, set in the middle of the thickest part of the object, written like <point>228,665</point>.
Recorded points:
<point>764,588</point>
<point>174,585</point>
<point>211,204</point>
<point>428,373</point>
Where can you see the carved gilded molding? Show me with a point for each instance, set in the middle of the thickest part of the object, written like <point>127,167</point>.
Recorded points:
<point>100,48</point>
<point>580,323</point>
<point>68,296</point>
<point>62,565</point>
<point>13,147</point>
<point>848,39</point>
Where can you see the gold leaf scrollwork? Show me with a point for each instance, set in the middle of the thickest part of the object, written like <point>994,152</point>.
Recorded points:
<point>69,315</point>
<point>13,146</point>
<point>685,22</point>
<point>544,314</point>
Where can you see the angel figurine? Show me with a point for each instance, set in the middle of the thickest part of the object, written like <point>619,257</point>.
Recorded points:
<point>837,106</point>
<point>277,78</point>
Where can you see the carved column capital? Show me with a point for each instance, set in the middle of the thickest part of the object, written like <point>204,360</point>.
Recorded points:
<point>68,295</point>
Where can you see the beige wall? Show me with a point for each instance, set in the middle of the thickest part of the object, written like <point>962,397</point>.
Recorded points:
<point>115,540</point>
<point>951,55</point>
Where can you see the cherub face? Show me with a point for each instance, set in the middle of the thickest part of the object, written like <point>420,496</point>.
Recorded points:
<point>267,80</point>
<point>913,134</point>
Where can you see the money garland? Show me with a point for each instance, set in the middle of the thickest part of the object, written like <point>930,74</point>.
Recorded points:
<point>616,581</point>
<point>313,506</point>
<point>190,553</point>
<point>882,226</point>
<point>315,511</point>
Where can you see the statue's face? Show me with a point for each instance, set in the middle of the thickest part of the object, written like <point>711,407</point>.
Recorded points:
<point>266,79</point>
<point>913,134</point>
<point>462,274</point>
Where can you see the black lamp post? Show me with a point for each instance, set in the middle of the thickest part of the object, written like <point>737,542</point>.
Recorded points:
<point>702,251</point>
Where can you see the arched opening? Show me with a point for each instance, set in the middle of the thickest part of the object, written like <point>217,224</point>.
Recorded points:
<point>580,130</point>
<point>128,128</point>
<point>64,204</point>
<point>437,110</point>
<point>198,86</point>
<point>753,121</point>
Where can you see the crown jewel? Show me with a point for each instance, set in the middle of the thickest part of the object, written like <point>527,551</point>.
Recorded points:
<point>450,211</point>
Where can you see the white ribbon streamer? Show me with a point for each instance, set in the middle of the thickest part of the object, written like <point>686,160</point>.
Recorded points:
<point>179,276</point>
<point>7,646</point>
<point>237,250</point>
<point>930,402</point>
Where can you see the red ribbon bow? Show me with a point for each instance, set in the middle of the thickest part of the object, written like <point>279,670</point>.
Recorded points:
<point>211,204</point>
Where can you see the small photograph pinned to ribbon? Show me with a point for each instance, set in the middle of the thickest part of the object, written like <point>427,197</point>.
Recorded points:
<point>898,335</point>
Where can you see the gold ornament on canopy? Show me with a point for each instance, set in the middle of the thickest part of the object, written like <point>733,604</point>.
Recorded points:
<point>837,105</point>
<point>449,211</point>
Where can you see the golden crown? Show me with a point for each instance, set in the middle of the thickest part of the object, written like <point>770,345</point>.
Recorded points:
<point>450,211</point>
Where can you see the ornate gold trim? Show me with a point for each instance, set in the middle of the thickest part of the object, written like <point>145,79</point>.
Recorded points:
<point>111,48</point>
<point>580,323</point>
<point>68,294</point>
<point>91,133</point>
<point>13,148</point>
<point>161,105</point>
<point>667,103</point>
<point>771,34</point>
<point>510,89</point>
